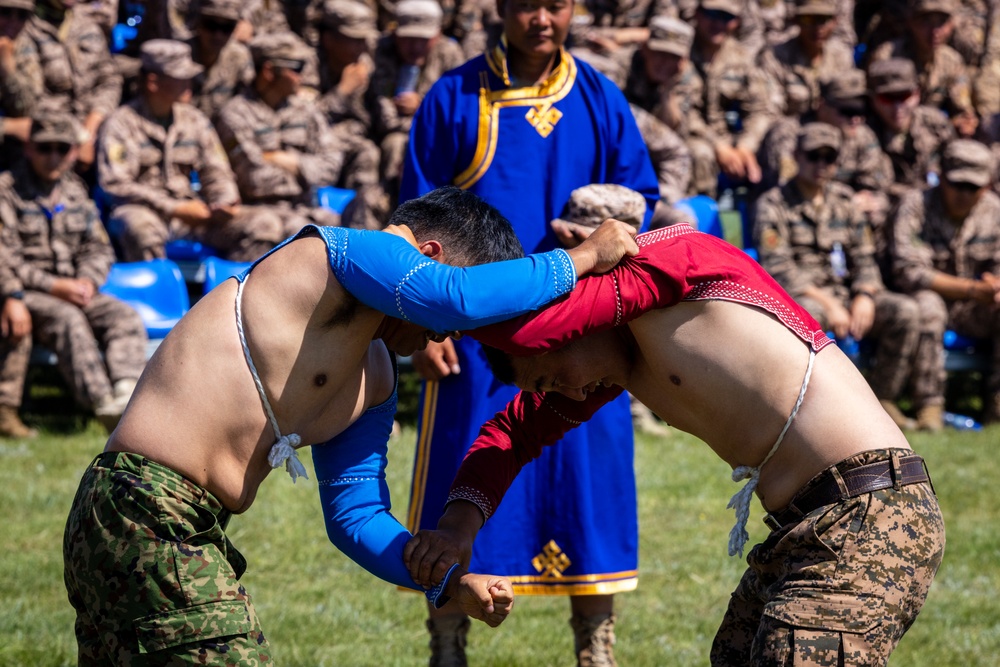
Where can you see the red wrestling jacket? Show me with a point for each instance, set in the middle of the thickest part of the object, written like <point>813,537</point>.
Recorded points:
<point>674,264</point>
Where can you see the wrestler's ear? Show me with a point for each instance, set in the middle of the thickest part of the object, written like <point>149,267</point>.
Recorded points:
<point>432,249</point>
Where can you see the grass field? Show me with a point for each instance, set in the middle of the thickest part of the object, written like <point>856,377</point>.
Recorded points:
<point>318,608</point>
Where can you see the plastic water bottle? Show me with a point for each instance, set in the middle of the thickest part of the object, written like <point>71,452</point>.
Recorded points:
<point>406,80</point>
<point>961,422</point>
<point>838,260</point>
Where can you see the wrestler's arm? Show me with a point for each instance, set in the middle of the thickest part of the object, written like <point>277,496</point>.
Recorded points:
<point>386,273</point>
<point>356,510</point>
<point>515,436</point>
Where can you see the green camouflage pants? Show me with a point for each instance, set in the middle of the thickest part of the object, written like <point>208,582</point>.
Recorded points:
<point>841,586</point>
<point>151,574</point>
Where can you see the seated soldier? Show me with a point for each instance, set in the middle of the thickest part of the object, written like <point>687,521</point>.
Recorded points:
<point>15,349</point>
<point>62,256</point>
<point>702,335</point>
<point>306,358</point>
<point>818,246</point>
<point>226,60</point>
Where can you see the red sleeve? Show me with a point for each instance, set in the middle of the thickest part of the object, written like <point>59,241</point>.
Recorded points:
<point>514,437</point>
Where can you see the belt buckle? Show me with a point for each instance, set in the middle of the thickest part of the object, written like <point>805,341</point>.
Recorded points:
<point>771,522</point>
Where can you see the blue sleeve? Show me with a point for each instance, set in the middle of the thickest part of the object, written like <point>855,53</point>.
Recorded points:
<point>386,273</point>
<point>431,138</point>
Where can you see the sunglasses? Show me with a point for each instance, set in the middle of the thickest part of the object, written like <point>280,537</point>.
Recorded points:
<point>814,19</point>
<point>14,13</point>
<point>853,111</point>
<point>225,27</point>
<point>718,15</point>
<point>291,65</point>
<point>894,98</point>
<point>819,155</point>
<point>49,148</point>
<point>964,188</point>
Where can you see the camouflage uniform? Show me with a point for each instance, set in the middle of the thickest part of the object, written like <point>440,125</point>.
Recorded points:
<point>916,153</point>
<point>146,170</point>
<point>58,234</point>
<point>78,72</point>
<point>944,82</point>
<point>798,78</point>
<point>391,129</point>
<point>14,358</point>
<point>977,39</point>
<point>349,118</point>
<point>841,585</point>
<point>169,589</point>
<point>670,155</point>
<point>732,108</point>
<point>672,103</point>
<point>830,247</point>
<point>232,66</point>
<point>249,127</point>
<point>477,25</point>
<point>926,241</point>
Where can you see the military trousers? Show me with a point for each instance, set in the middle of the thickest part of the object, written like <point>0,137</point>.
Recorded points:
<point>150,571</point>
<point>14,360</point>
<point>842,585</point>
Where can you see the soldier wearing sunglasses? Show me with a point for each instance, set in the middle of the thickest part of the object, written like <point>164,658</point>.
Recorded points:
<point>819,247</point>
<point>226,60</point>
<point>946,252</point>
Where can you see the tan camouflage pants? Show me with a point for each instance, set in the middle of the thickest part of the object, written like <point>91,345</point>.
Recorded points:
<point>840,587</point>
<point>79,335</point>
<point>151,574</point>
<point>242,239</point>
<point>14,360</point>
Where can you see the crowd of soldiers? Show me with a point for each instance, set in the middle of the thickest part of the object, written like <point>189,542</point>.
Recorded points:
<point>864,135</point>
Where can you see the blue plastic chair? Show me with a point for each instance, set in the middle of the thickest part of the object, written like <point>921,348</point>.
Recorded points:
<point>121,35</point>
<point>218,270</point>
<point>156,290</point>
<point>186,250</point>
<point>334,199</point>
<point>705,212</point>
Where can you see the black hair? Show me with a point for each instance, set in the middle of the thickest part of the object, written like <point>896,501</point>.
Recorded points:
<point>472,231</point>
<point>500,363</point>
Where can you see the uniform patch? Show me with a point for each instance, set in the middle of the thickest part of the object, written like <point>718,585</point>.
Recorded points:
<point>770,239</point>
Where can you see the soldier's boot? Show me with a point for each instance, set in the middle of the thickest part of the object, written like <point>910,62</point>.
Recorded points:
<point>11,425</point>
<point>124,388</point>
<point>991,414</point>
<point>593,637</point>
<point>931,418</point>
<point>901,420</point>
<point>448,635</point>
<point>110,408</point>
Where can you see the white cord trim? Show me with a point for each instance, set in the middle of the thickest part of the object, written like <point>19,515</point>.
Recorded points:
<point>282,451</point>
<point>740,501</point>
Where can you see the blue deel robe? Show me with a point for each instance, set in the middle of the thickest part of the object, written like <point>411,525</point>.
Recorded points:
<point>568,524</point>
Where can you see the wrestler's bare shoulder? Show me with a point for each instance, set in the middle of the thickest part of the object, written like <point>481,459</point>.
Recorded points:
<point>197,408</point>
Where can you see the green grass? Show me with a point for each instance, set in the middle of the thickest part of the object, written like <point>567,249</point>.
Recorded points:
<point>318,608</point>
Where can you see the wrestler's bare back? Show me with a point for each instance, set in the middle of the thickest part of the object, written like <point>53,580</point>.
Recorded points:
<point>730,374</point>
<point>196,409</point>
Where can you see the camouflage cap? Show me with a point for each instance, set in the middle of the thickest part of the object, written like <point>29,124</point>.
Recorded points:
<point>967,161</point>
<point>227,10</point>
<point>592,204</point>
<point>27,5</point>
<point>815,8</point>
<point>813,136</point>
<point>670,35</point>
<point>949,7</point>
<point>895,75</point>
<point>734,7</point>
<point>418,18</point>
<point>844,86</point>
<point>280,45</point>
<point>169,57</point>
<point>351,18</point>
<point>52,125</point>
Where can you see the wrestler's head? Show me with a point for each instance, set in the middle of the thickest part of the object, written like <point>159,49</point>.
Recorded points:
<point>456,227</point>
<point>535,28</point>
<point>575,370</point>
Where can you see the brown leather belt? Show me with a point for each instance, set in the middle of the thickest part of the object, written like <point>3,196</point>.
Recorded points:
<point>857,480</point>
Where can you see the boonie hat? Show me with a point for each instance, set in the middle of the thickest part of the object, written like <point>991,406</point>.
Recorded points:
<point>282,45</point>
<point>731,6</point>
<point>169,58</point>
<point>967,161</point>
<point>54,125</point>
<point>592,204</point>
<point>350,18</point>
<point>670,35</point>
<point>815,8</point>
<point>227,10</point>
<point>895,75</point>
<point>418,18</point>
<point>813,136</point>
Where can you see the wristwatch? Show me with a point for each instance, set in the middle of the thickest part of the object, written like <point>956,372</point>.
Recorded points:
<point>19,295</point>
